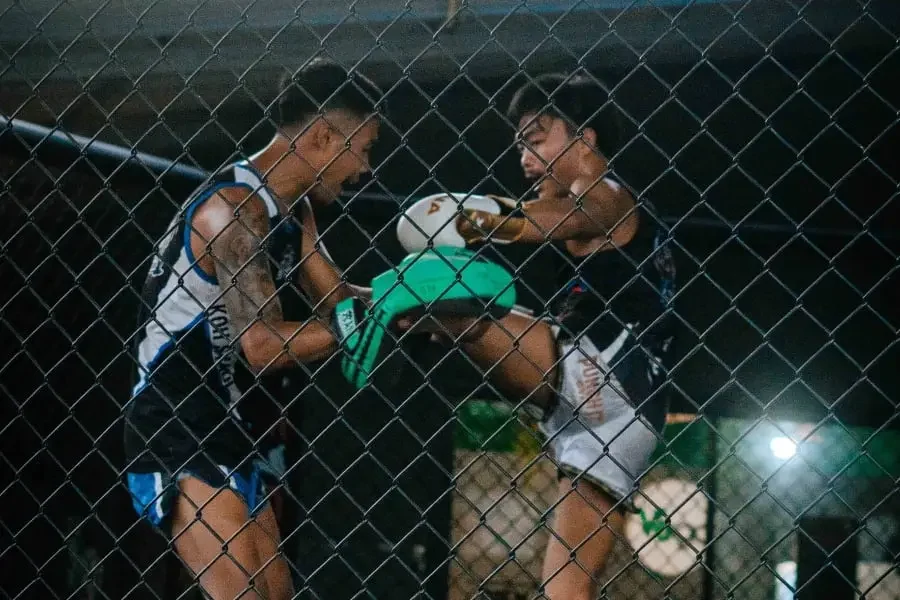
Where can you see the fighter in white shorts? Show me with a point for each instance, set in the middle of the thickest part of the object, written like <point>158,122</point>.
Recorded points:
<point>597,368</point>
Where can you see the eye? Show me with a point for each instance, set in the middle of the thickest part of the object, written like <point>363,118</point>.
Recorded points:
<point>529,143</point>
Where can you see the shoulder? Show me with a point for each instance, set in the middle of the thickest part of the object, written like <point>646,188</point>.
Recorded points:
<point>619,193</point>
<point>228,205</point>
<point>623,201</point>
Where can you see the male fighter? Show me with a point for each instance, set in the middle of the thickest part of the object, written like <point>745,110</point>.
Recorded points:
<point>220,298</point>
<point>596,370</point>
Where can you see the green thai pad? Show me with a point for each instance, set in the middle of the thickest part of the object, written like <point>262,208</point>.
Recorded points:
<point>445,280</point>
<point>438,281</point>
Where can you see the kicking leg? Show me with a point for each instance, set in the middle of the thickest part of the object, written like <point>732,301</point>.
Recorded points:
<point>593,429</point>
<point>517,353</point>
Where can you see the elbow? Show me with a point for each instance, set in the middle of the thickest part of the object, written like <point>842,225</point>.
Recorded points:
<point>256,363</point>
<point>259,349</point>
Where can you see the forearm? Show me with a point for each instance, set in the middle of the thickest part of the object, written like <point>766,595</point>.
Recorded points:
<point>560,219</point>
<point>558,223</point>
<point>285,344</point>
<point>327,299</point>
<point>525,226</point>
<point>325,285</point>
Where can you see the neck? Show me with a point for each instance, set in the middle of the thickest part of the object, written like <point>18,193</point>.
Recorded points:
<point>287,177</point>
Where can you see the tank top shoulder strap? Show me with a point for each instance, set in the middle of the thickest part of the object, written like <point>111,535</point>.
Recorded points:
<point>246,173</point>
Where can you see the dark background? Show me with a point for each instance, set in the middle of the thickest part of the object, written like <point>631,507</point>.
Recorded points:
<point>777,175</point>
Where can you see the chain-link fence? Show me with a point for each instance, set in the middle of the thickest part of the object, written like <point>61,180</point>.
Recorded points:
<point>759,136</point>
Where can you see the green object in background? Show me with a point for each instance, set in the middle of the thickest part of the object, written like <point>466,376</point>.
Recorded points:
<point>877,454</point>
<point>857,452</point>
<point>490,426</point>
<point>831,449</point>
<point>494,427</point>
<point>686,444</point>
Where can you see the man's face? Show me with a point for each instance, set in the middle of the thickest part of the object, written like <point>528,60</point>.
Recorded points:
<point>345,154</point>
<point>548,154</point>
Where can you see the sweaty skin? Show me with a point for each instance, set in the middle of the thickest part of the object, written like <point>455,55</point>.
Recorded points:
<point>575,205</point>
<point>235,227</point>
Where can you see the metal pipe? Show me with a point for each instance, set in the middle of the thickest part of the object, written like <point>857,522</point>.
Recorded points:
<point>39,135</point>
<point>711,491</point>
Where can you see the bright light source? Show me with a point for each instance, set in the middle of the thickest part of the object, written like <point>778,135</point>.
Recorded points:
<point>783,448</point>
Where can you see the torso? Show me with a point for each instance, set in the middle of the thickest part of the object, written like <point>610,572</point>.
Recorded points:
<point>624,280</point>
<point>618,294</point>
<point>188,357</point>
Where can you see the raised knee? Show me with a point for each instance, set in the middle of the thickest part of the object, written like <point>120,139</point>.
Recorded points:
<point>543,395</point>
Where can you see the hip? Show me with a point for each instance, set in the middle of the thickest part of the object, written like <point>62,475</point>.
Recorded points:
<point>162,427</point>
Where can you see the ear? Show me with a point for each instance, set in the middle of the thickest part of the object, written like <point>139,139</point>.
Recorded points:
<point>321,134</point>
<point>589,139</point>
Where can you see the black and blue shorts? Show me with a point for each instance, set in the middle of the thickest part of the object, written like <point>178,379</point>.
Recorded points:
<point>153,493</point>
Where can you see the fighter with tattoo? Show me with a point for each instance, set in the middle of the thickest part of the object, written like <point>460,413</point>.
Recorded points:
<point>218,304</point>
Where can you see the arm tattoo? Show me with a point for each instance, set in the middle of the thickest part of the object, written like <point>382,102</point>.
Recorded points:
<point>242,268</point>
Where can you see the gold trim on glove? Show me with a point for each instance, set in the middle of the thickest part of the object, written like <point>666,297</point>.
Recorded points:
<point>477,226</point>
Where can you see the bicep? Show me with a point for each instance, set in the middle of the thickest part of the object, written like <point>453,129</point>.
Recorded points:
<point>242,268</point>
<point>598,212</point>
<point>611,209</point>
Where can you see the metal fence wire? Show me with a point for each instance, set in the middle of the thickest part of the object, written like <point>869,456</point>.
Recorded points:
<point>732,433</point>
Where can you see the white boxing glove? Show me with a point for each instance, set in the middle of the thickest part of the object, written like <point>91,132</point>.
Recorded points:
<point>434,219</point>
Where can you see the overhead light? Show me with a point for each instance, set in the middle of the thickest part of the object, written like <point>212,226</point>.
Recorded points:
<point>783,448</point>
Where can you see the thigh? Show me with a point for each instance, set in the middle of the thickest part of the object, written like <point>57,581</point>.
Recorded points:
<point>215,537</point>
<point>594,430</point>
<point>275,567</point>
<point>584,529</point>
<point>519,353</point>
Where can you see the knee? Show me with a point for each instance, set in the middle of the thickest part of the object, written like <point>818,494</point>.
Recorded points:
<point>570,582</point>
<point>226,567</point>
<point>548,360</point>
<point>543,394</point>
<point>589,500</point>
<point>542,390</point>
<point>231,578</point>
<point>278,580</point>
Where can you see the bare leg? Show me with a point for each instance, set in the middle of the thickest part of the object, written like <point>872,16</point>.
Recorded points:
<point>217,541</point>
<point>275,568</point>
<point>584,531</point>
<point>518,353</point>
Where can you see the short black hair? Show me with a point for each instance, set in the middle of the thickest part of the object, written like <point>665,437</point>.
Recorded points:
<point>323,85</point>
<point>579,100</point>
